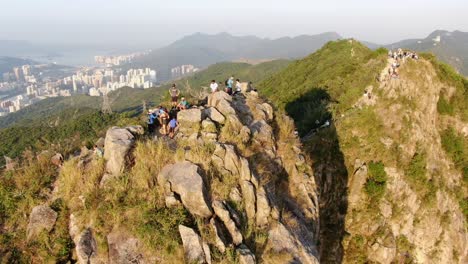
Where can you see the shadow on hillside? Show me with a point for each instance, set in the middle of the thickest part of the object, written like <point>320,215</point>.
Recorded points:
<point>310,112</point>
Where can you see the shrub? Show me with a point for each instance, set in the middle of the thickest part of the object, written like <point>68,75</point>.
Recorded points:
<point>376,181</point>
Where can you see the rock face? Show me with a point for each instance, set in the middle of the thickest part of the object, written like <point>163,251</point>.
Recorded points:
<point>185,180</point>
<point>215,115</point>
<point>225,217</point>
<point>245,255</point>
<point>280,239</point>
<point>85,243</point>
<point>42,218</point>
<point>222,102</point>
<point>118,143</point>
<point>189,120</point>
<point>195,250</point>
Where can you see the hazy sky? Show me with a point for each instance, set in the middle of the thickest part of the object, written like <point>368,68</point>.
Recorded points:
<point>156,22</point>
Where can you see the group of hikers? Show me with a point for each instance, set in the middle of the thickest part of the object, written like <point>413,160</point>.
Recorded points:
<point>230,85</point>
<point>399,56</point>
<point>166,120</point>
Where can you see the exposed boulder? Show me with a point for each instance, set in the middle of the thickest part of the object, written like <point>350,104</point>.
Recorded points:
<point>86,247</point>
<point>124,248</point>
<point>222,102</point>
<point>85,243</point>
<point>280,239</point>
<point>263,207</point>
<point>357,181</point>
<point>100,142</point>
<point>195,250</point>
<point>208,126</point>
<point>42,218</point>
<point>118,144</point>
<point>185,180</point>
<point>220,240</point>
<point>262,133</point>
<point>224,215</point>
<point>189,120</point>
<point>215,115</point>
<point>245,255</point>
<point>248,193</point>
<point>136,130</point>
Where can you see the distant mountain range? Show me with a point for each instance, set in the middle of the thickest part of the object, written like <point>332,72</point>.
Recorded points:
<point>450,47</point>
<point>203,50</point>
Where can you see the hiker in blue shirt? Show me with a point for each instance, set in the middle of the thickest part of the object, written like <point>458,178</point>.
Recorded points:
<point>150,122</point>
<point>172,127</point>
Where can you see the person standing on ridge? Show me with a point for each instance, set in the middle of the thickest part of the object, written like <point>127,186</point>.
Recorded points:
<point>213,86</point>
<point>150,122</point>
<point>230,82</point>
<point>174,92</point>
<point>238,87</point>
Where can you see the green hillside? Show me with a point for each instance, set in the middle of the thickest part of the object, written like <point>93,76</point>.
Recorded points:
<point>337,74</point>
<point>379,151</point>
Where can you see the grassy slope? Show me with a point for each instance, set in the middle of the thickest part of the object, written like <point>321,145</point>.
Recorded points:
<point>337,73</point>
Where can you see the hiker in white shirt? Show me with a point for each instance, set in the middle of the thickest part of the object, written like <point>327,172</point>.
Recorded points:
<point>213,86</point>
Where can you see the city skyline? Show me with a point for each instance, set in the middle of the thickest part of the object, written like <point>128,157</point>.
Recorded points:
<point>145,22</point>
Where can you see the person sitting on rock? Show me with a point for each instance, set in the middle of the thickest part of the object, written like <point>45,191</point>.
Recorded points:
<point>183,105</point>
<point>174,92</point>
<point>238,87</point>
<point>214,86</point>
<point>172,127</point>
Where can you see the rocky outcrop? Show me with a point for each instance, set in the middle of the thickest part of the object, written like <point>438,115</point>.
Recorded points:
<point>42,218</point>
<point>225,216</point>
<point>222,102</point>
<point>189,120</point>
<point>245,255</point>
<point>85,243</point>
<point>215,115</point>
<point>118,144</point>
<point>280,239</point>
<point>185,180</point>
<point>196,251</point>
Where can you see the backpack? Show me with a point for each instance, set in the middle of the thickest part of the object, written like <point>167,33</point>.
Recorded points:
<point>226,82</point>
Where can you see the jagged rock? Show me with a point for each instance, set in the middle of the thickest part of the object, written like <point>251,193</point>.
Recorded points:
<point>85,244</point>
<point>265,110</point>
<point>262,132</point>
<point>248,193</point>
<point>42,218</point>
<point>118,143</point>
<point>136,130</point>
<point>222,102</point>
<point>225,216</point>
<point>382,254</point>
<point>245,255</point>
<point>86,247</point>
<point>206,136</point>
<point>235,195</point>
<point>280,239</point>
<point>244,134</point>
<point>209,126</point>
<point>171,200</point>
<point>357,181</point>
<point>124,248</point>
<point>189,120</point>
<point>215,115</point>
<point>263,207</point>
<point>195,249</point>
<point>220,240</point>
<point>188,184</point>
<point>245,87</point>
<point>57,159</point>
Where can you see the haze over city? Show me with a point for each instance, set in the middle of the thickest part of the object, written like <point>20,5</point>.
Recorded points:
<point>151,24</point>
